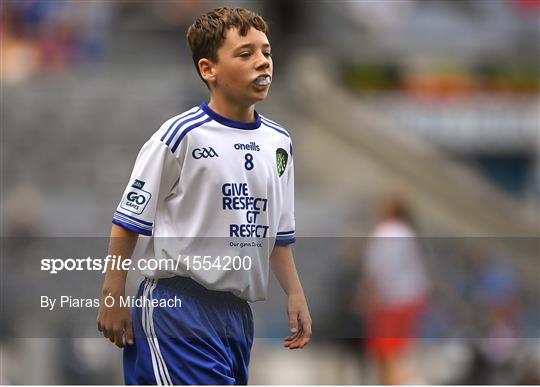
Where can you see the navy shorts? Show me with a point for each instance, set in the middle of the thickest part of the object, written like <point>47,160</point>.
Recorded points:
<point>206,340</point>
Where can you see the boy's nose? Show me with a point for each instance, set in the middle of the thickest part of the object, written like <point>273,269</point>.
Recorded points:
<point>262,61</point>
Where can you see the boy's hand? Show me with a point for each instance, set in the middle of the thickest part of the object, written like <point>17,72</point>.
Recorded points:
<point>115,321</point>
<point>299,322</point>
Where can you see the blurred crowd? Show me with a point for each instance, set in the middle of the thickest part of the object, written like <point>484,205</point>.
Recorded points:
<point>39,36</point>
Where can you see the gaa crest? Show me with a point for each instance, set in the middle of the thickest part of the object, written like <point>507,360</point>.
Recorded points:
<point>281,160</point>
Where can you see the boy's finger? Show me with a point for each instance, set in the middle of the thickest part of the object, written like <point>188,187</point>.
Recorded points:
<point>304,342</point>
<point>301,339</point>
<point>299,343</point>
<point>294,336</point>
<point>293,322</point>
<point>306,328</point>
<point>288,343</point>
<point>129,332</point>
<point>106,333</point>
<point>289,338</point>
<point>118,340</point>
<point>291,341</point>
<point>293,344</point>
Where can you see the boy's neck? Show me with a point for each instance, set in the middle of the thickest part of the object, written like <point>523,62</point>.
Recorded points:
<point>233,112</point>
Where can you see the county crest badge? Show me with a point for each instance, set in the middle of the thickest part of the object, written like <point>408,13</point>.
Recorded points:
<point>281,160</point>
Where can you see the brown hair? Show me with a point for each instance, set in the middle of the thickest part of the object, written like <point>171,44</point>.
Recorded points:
<point>396,208</point>
<point>206,35</point>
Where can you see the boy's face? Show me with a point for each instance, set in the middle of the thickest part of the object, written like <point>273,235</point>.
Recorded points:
<point>244,69</point>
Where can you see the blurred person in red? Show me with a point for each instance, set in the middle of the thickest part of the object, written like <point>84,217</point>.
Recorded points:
<point>395,292</point>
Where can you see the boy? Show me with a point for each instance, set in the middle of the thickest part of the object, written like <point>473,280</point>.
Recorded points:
<point>218,180</point>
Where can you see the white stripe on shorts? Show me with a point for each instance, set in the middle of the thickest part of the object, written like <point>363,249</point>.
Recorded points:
<point>161,373</point>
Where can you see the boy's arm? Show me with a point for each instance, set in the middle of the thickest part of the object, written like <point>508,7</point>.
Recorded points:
<point>115,321</point>
<point>282,264</point>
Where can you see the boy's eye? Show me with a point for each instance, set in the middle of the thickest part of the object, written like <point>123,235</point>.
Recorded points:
<point>245,54</point>
<point>268,54</point>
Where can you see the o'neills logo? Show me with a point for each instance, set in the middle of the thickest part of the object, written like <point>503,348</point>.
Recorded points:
<point>251,146</point>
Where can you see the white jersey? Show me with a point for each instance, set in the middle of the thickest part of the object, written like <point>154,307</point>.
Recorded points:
<point>394,264</point>
<point>204,185</point>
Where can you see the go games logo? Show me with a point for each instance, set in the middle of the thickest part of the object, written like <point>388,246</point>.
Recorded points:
<point>136,198</point>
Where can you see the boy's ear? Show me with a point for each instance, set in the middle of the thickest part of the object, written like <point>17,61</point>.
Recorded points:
<point>207,70</point>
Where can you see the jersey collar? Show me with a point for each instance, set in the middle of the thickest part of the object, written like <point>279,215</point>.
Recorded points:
<point>231,123</point>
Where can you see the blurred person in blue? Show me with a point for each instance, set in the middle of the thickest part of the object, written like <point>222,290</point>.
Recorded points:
<point>40,35</point>
<point>494,291</point>
<point>395,293</point>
